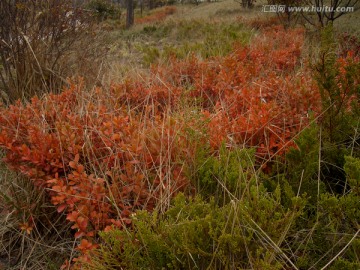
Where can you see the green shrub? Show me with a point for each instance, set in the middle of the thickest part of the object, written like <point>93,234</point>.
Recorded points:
<point>104,9</point>
<point>150,54</point>
<point>303,164</point>
<point>338,79</point>
<point>236,222</point>
<point>319,160</point>
<point>352,170</point>
<point>225,175</point>
<point>195,234</point>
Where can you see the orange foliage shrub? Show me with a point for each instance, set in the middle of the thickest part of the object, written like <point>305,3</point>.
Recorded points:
<point>157,16</point>
<point>98,161</point>
<point>258,96</point>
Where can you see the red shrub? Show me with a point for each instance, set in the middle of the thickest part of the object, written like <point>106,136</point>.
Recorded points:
<point>98,161</point>
<point>257,96</point>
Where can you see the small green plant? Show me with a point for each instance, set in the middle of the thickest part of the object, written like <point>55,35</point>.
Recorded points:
<point>150,54</point>
<point>225,175</point>
<point>303,164</point>
<point>103,9</point>
<point>352,170</point>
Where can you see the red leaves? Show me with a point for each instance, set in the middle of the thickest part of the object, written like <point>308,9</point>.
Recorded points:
<point>157,16</point>
<point>255,96</point>
<point>86,245</point>
<point>73,164</point>
<point>27,226</point>
<point>61,207</point>
<point>66,151</point>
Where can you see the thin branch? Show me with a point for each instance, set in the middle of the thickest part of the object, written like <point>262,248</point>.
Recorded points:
<point>342,250</point>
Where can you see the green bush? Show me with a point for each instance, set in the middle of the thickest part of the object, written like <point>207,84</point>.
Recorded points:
<point>104,9</point>
<point>338,79</point>
<point>226,175</point>
<point>352,170</point>
<point>242,218</point>
<point>317,165</point>
<point>303,164</point>
<point>195,234</point>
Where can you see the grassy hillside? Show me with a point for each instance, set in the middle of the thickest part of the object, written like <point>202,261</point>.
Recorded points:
<point>204,137</point>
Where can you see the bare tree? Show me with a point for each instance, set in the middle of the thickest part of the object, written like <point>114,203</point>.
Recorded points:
<point>315,12</point>
<point>287,16</point>
<point>328,10</point>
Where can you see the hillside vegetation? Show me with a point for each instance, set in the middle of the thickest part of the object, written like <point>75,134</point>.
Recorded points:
<point>204,137</point>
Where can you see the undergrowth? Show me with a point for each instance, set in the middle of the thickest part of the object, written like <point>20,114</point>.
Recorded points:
<point>234,151</point>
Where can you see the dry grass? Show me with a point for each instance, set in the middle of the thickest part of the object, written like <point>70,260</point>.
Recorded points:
<point>128,48</point>
<point>349,23</point>
<point>33,236</point>
<point>226,10</point>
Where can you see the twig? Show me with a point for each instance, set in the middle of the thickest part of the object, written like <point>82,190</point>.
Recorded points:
<point>342,250</point>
